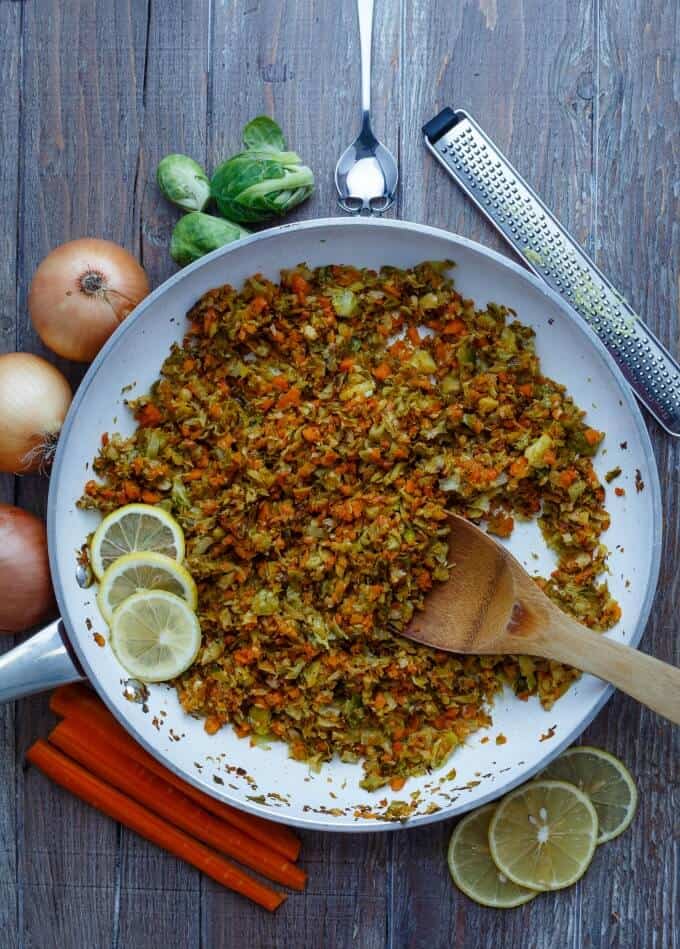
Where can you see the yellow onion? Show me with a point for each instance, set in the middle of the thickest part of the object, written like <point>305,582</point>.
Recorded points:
<point>34,400</point>
<point>26,595</point>
<point>81,293</point>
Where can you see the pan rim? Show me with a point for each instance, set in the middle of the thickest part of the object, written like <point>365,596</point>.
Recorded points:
<point>454,239</point>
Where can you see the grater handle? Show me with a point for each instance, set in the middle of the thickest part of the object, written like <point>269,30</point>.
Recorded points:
<point>535,234</point>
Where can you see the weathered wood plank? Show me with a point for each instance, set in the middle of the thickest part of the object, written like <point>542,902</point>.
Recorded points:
<point>531,89</point>
<point>631,897</point>
<point>159,898</point>
<point>81,96</point>
<point>10,107</point>
<point>175,107</point>
<point>299,62</point>
<point>344,905</point>
<point>10,72</point>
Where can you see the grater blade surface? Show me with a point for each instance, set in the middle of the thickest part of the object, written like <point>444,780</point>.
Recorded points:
<point>516,211</point>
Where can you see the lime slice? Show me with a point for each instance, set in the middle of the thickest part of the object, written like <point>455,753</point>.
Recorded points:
<point>133,573</point>
<point>543,835</point>
<point>607,782</point>
<point>472,868</point>
<point>155,635</point>
<point>132,528</point>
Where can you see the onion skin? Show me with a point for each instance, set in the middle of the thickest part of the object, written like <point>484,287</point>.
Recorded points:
<point>26,594</point>
<point>81,292</point>
<point>34,400</point>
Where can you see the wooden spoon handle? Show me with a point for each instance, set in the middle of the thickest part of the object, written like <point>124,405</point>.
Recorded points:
<point>650,681</point>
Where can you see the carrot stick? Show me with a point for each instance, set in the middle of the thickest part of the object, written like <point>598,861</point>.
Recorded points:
<point>168,802</point>
<point>80,703</point>
<point>98,794</point>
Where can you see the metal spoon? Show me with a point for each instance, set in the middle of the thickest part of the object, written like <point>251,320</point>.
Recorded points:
<point>366,175</point>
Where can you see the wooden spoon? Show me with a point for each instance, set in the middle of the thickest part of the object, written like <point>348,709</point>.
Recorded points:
<point>490,604</point>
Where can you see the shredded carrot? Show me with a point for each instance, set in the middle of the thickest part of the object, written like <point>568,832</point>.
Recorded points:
<point>151,497</point>
<point>132,491</point>
<point>382,371</point>
<point>292,397</point>
<point>399,350</point>
<point>501,526</point>
<point>299,286</point>
<point>258,304</point>
<point>592,436</point>
<point>126,811</point>
<point>454,328</point>
<point>345,364</point>
<point>148,415</point>
<point>519,467</point>
<point>311,433</point>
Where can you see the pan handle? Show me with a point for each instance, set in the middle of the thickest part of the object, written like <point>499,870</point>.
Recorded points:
<point>38,664</point>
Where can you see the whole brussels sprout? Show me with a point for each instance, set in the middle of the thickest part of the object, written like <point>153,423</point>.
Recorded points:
<point>183,181</point>
<point>197,234</point>
<point>263,181</point>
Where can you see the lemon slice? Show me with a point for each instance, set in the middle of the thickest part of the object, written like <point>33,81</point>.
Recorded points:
<point>543,835</point>
<point>607,782</point>
<point>133,573</point>
<point>132,528</point>
<point>472,869</point>
<point>155,635</point>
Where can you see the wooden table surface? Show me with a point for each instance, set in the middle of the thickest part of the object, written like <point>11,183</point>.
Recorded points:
<point>584,98</point>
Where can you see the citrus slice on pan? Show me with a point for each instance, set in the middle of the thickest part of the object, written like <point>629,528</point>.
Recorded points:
<point>133,573</point>
<point>606,781</point>
<point>155,635</point>
<point>472,868</point>
<point>133,528</point>
<point>543,835</point>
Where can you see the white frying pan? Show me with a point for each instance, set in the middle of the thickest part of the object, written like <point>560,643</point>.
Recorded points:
<point>266,781</point>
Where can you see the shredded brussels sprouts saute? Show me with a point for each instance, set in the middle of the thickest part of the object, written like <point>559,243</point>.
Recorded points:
<point>310,437</point>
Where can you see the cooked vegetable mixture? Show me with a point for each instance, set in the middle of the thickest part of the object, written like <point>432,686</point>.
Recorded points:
<point>310,437</point>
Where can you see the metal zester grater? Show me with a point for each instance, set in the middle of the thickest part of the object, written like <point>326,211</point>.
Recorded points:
<point>476,164</point>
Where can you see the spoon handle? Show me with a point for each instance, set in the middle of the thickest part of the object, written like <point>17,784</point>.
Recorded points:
<point>652,682</point>
<point>365,11</point>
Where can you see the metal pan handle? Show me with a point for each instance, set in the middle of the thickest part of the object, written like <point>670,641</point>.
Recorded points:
<point>40,663</point>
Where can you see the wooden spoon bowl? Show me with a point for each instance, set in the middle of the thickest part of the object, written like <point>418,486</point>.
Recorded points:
<point>490,604</point>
